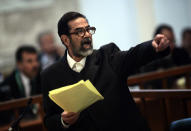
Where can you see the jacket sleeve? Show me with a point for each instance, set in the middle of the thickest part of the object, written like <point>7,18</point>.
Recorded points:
<point>126,63</point>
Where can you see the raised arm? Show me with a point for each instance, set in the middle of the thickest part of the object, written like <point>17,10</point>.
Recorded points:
<point>126,63</point>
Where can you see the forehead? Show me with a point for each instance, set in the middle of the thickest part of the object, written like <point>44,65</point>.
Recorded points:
<point>78,23</point>
<point>46,36</point>
<point>167,32</point>
<point>28,55</point>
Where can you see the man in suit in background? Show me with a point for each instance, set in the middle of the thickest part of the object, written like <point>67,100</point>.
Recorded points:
<point>107,68</point>
<point>186,40</point>
<point>24,81</point>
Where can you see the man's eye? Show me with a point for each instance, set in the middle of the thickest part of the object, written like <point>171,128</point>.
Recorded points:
<point>79,30</point>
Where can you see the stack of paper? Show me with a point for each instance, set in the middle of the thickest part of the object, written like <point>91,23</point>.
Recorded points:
<point>76,97</point>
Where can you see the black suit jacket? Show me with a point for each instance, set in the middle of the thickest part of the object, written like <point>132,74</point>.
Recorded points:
<point>12,87</point>
<point>108,69</point>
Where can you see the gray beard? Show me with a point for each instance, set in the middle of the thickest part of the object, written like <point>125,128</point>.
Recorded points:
<point>82,52</point>
<point>86,53</point>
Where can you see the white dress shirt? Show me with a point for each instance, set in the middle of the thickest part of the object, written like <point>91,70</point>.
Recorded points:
<point>26,84</point>
<point>77,67</point>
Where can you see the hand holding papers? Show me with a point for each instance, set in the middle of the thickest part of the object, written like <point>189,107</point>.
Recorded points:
<point>76,97</point>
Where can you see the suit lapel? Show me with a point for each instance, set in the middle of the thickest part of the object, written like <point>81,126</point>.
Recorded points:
<point>18,81</point>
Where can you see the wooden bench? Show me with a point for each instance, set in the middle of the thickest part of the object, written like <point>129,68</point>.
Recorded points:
<point>16,104</point>
<point>161,107</point>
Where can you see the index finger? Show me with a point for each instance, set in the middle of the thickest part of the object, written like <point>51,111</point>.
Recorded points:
<point>158,37</point>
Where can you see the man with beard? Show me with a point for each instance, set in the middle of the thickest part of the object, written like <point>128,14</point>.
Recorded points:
<point>107,68</point>
<point>24,81</point>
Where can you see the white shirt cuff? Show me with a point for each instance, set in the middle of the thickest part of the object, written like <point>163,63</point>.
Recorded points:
<point>64,124</point>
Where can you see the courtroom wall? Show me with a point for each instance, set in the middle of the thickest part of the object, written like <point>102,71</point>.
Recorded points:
<point>20,23</point>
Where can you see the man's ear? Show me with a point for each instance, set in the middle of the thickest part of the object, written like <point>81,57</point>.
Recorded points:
<point>65,40</point>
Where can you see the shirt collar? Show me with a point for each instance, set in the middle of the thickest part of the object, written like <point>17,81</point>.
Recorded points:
<point>24,78</point>
<point>71,61</point>
<point>26,84</point>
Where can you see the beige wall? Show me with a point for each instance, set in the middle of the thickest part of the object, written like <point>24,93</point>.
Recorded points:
<point>19,26</point>
<point>145,19</point>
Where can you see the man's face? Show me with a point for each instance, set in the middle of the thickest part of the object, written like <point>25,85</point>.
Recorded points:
<point>79,46</point>
<point>170,35</point>
<point>29,64</point>
<point>47,44</point>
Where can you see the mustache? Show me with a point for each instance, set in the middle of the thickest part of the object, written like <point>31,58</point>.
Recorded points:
<point>86,40</point>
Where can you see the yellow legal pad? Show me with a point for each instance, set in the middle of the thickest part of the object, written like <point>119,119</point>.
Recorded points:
<point>76,97</point>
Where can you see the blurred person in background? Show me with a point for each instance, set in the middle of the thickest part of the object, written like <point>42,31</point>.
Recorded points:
<point>186,40</point>
<point>177,57</point>
<point>184,124</point>
<point>24,81</point>
<point>186,48</point>
<point>50,53</point>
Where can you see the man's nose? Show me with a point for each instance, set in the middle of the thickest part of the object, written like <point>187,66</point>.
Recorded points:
<point>36,64</point>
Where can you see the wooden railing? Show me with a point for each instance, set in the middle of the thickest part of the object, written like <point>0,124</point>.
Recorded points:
<point>161,107</point>
<point>16,105</point>
<point>163,75</point>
